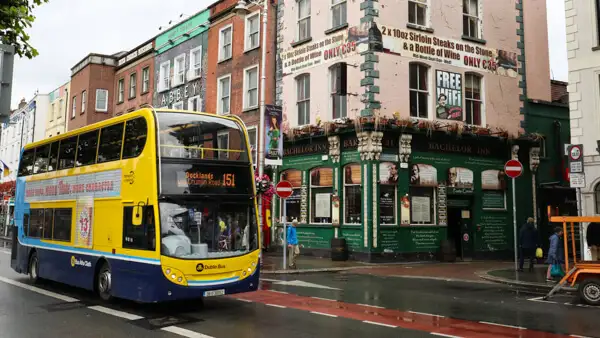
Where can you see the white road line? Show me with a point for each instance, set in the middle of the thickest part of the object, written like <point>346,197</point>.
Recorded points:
<point>116,313</point>
<point>541,300</point>
<point>269,280</point>
<point>444,335</point>
<point>287,293</point>
<point>275,305</point>
<point>184,332</point>
<point>244,300</point>
<point>369,305</point>
<point>331,300</point>
<point>38,290</point>
<point>323,314</point>
<point>380,324</point>
<point>576,336</point>
<point>426,314</point>
<point>504,325</point>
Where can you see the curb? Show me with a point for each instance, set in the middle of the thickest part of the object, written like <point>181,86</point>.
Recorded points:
<point>486,276</point>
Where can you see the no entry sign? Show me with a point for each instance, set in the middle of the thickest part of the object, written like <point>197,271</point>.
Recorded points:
<point>513,168</point>
<point>283,189</point>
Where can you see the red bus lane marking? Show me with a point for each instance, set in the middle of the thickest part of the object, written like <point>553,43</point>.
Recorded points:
<point>389,317</point>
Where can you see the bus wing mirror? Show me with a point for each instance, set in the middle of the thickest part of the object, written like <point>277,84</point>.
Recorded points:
<point>136,216</point>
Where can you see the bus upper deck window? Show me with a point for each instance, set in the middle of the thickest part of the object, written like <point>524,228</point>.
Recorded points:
<point>135,137</point>
<point>26,164</point>
<point>66,156</point>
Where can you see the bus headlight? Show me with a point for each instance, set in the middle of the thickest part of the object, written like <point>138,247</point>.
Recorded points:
<point>168,271</point>
<point>175,276</point>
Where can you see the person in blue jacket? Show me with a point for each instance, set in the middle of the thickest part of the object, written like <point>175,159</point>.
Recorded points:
<point>292,244</point>
<point>556,253</point>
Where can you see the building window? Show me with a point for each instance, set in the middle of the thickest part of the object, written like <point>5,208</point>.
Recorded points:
<point>417,12</point>
<point>251,87</point>
<point>132,85</point>
<point>321,188</point>
<point>194,103</point>
<point>338,13</point>
<point>74,108</point>
<point>252,31</point>
<point>178,105</point>
<point>179,70</point>
<point>303,19</point>
<point>225,43</point>
<point>121,91</point>
<point>352,194</point>
<point>223,94</point>
<point>253,140</point>
<point>471,18</point>
<point>388,182</point>
<point>422,202</point>
<point>303,99</point>
<point>164,76</point>
<point>473,100</point>
<point>145,80</point>
<point>223,145</point>
<point>60,105</point>
<point>292,203</point>
<point>597,198</point>
<point>101,100</point>
<point>195,63</point>
<point>419,91</point>
<point>83,101</point>
<point>338,75</point>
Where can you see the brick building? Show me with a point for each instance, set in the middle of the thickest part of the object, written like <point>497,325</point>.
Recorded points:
<point>234,63</point>
<point>91,95</point>
<point>134,84</point>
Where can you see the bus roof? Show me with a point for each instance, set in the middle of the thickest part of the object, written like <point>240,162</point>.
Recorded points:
<point>120,118</point>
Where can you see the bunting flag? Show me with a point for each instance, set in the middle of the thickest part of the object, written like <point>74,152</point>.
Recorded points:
<point>5,169</point>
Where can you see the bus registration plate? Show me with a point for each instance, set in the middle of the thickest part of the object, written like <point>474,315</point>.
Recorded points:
<point>213,293</point>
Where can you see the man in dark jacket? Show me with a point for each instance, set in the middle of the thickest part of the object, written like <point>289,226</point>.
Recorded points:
<point>528,239</point>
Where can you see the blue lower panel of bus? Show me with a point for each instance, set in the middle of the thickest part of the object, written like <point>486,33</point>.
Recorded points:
<point>136,281</point>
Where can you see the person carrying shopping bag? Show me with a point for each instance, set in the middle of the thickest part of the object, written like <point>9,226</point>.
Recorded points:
<point>556,256</point>
<point>292,244</point>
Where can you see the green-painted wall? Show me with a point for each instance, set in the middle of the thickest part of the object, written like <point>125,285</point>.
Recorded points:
<point>177,33</point>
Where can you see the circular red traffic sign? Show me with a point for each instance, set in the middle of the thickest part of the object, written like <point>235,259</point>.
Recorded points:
<point>513,168</point>
<point>283,189</point>
<point>575,153</point>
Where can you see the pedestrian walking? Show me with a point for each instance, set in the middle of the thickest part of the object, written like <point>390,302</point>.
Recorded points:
<point>556,255</point>
<point>528,242</point>
<point>292,243</point>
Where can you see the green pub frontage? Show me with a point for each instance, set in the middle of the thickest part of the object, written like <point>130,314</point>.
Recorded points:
<point>404,189</point>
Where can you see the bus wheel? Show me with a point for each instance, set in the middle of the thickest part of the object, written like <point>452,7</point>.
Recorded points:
<point>589,291</point>
<point>34,268</point>
<point>104,282</point>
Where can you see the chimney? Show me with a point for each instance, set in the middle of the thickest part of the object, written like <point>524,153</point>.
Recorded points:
<point>22,104</point>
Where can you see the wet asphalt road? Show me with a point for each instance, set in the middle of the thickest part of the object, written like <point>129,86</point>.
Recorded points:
<point>316,305</point>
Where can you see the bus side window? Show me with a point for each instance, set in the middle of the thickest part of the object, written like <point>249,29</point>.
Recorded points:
<point>111,139</point>
<point>135,137</point>
<point>86,148</point>
<point>36,223</point>
<point>66,155</point>
<point>26,164</point>
<point>140,237</point>
<point>41,159</point>
<point>53,158</point>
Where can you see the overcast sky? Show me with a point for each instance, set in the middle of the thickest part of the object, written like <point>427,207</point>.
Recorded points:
<point>65,31</point>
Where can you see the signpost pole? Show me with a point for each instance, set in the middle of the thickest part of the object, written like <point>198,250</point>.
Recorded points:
<point>513,169</point>
<point>514,203</point>
<point>284,244</point>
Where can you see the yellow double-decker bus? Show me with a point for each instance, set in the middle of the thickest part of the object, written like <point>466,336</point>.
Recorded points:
<point>148,206</point>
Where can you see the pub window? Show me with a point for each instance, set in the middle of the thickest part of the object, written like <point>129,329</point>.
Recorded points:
<point>41,159</point>
<point>111,139</point>
<point>143,236</point>
<point>422,202</point>
<point>87,148</point>
<point>388,183</point>
<point>419,90</point>
<point>36,223</point>
<point>53,158</point>
<point>26,164</point>
<point>352,194</point>
<point>321,188</point>
<point>135,137</point>
<point>473,100</point>
<point>47,233</point>
<point>62,224</point>
<point>292,203</point>
<point>66,156</point>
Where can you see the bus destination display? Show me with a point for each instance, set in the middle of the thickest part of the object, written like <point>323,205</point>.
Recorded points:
<point>205,179</point>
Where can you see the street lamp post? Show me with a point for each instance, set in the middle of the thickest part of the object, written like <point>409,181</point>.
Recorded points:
<point>242,10</point>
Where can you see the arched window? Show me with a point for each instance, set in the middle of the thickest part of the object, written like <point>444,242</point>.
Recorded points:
<point>321,188</point>
<point>352,196</point>
<point>473,99</point>
<point>597,197</point>
<point>419,90</point>
<point>292,203</point>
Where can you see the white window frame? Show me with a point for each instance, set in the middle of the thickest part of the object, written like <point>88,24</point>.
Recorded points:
<point>178,74</point>
<point>73,109</point>
<point>105,108</point>
<point>424,3</point>
<point>121,90</point>
<point>178,105</point>
<point>338,3</point>
<point>427,103</point>
<point>191,103</point>
<point>333,91</point>
<point>247,33</point>
<point>479,21</point>
<point>255,156</point>
<point>305,18</point>
<point>83,100</point>
<point>344,185</point>
<point>132,85</point>
<point>481,94</point>
<point>146,80</point>
<point>195,72</point>
<point>162,78</point>
<point>219,98</point>
<point>246,86</point>
<point>222,43</point>
<point>223,133</point>
<point>304,99</point>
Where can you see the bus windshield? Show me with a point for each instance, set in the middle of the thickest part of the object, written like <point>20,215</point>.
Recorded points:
<point>193,136</point>
<point>203,228</point>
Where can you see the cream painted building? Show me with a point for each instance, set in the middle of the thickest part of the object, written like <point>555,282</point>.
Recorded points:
<point>59,106</point>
